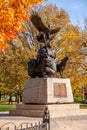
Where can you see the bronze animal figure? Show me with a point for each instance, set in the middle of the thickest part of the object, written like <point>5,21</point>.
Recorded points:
<point>61,66</point>
<point>44,31</point>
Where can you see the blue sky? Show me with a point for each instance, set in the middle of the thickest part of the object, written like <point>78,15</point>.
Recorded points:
<point>76,9</point>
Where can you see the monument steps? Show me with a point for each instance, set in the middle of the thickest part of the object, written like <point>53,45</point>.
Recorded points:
<point>56,110</point>
<point>50,106</point>
<point>28,113</point>
<point>30,107</point>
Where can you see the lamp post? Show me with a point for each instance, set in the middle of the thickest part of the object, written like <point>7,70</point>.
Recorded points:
<point>17,91</point>
<point>83,92</point>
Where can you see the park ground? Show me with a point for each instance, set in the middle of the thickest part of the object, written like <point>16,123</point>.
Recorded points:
<point>61,123</point>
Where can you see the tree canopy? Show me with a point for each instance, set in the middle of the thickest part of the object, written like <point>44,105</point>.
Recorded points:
<point>12,14</point>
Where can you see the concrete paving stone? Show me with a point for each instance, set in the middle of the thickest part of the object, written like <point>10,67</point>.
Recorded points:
<point>60,123</point>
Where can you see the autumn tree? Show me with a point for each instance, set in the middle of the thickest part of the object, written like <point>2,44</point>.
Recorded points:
<point>13,70</point>
<point>83,67</point>
<point>12,14</point>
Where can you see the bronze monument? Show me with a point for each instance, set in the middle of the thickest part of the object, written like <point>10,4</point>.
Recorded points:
<point>46,91</point>
<point>45,64</point>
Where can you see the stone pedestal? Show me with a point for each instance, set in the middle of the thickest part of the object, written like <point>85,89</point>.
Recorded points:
<point>47,91</point>
<point>54,93</point>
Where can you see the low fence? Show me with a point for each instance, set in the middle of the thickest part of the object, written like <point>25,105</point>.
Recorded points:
<point>44,125</point>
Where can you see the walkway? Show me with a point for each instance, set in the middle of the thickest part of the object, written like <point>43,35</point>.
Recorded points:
<point>60,123</point>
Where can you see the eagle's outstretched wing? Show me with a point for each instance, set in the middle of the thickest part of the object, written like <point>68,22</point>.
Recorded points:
<point>37,22</point>
<point>56,30</point>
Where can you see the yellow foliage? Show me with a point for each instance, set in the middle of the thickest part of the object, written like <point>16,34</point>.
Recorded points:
<point>12,14</point>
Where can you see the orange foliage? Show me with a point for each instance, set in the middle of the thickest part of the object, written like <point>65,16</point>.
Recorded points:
<point>12,14</point>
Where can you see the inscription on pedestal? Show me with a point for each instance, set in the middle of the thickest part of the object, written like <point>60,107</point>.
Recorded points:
<point>60,90</point>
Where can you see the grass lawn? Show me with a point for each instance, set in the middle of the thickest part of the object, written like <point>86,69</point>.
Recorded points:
<point>7,107</point>
<point>83,106</point>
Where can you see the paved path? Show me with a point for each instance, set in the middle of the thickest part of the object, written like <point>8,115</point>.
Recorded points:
<point>81,117</point>
<point>60,123</point>
<point>5,116</point>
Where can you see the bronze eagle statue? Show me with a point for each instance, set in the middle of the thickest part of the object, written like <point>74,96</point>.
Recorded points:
<point>44,65</point>
<point>45,32</point>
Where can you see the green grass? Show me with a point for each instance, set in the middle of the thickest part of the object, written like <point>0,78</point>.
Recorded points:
<point>7,107</point>
<point>83,106</point>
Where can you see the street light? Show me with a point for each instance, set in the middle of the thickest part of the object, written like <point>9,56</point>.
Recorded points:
<point>83,92</point>
<point>17,91</point>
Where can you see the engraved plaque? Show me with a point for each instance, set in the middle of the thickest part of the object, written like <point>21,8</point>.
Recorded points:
<point>56,90</point>
<point>60,90</point>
